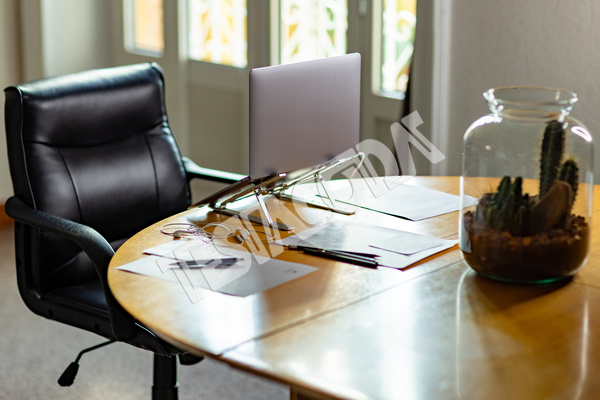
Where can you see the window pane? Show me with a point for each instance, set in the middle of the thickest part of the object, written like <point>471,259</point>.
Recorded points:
<point>217,32</point>
<point>312,29</point>
<point>399,18</point>
<point>144,21</point>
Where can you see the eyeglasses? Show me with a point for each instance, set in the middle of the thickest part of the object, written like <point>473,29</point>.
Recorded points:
<point>182,230</point>
<point>208,232</point>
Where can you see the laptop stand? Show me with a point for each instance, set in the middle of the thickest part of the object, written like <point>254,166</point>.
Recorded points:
<point>327,202</point>
<point>258,189</point>
<point>276,186</point>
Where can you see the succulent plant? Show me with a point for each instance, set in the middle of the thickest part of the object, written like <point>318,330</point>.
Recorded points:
<point>569,172</point>
<point>552,151</point>
<point>510,210</point>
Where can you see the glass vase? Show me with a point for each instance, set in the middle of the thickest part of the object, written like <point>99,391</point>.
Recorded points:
<point>526,187</point>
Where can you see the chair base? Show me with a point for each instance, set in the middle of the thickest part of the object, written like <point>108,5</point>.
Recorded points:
<point>165,378</point>
<point>164,394</point>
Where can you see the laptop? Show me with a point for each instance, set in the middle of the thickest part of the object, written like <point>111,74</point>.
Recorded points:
<point>303,115</point>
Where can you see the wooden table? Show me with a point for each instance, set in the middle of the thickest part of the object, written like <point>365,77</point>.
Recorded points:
<point>433,331</point>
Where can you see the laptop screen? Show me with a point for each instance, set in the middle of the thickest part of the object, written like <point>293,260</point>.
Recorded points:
<point>304,114</point>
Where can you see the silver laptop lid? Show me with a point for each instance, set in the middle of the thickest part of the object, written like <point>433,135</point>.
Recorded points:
<point>303,114</point>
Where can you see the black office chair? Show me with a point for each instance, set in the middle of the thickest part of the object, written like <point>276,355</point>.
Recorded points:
<point>93,161</point>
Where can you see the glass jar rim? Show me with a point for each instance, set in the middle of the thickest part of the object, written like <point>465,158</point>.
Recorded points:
<point>536,96</point>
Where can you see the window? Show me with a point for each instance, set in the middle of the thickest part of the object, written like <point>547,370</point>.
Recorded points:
<point>396,21</point>
<point>305,29</point>
<point>144,32</point>
<point>217,32</point>
<point>310,29</point>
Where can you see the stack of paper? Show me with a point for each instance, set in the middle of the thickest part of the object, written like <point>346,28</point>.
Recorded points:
<point>198,266</point>
<point>395,248</point>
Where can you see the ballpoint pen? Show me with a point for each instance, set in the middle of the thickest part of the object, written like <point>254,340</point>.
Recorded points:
<point>362,259</point>
<point>355,253</point>
<point>369,262</point>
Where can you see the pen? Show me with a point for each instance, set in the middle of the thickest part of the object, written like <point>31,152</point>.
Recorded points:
<point>369,262</point>
<point>354,253</point>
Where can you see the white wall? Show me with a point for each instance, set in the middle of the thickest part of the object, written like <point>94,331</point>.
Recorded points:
<point>76,35</point>
<point>54,37</point>
<point>513,42</point>
<point>10,56</point>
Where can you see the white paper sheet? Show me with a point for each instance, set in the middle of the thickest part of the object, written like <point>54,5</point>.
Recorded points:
<point>251,274</point>
<point>395,248</point>
<point>194,253</point>
<point>398,199</point>
<point>408,243</point>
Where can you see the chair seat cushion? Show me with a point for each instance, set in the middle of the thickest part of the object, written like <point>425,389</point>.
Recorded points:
<point>89,298</point>
<point>86,296</point>
<point>77,292</point>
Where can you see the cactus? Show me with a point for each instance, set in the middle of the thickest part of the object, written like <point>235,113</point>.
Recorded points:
<point>552,150</point>
<point>569,172</point>
<point>509,210</point>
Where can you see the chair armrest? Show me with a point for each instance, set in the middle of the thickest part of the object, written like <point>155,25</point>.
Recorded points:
<point>193,170</point>
<point>91,242</point>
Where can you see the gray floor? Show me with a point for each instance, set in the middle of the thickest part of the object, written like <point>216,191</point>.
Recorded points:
<point>34,352</point>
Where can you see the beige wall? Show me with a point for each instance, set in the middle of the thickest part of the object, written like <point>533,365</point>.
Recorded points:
<point>76,35</point>
<point>10,57</point>
<point>49,37</point>
<point>514,42</point>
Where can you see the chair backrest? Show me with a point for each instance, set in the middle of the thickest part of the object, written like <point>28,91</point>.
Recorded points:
<point>96,148</point>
